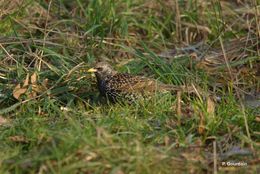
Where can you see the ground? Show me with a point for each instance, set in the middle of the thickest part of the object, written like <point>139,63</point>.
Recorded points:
<point>52,119</point>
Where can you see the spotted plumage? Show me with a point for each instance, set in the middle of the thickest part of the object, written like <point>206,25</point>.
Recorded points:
<point>125,87</point>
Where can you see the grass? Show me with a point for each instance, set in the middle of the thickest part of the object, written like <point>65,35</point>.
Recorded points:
<point>58,124</point>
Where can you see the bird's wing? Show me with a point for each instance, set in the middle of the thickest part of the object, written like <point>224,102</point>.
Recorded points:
<point>142,85</point>
<point>137,84</point>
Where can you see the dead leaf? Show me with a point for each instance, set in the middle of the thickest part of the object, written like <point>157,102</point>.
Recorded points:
<point>26,81</point>
<point>90,156</point>
<point>31,95</point>
<point>18,91</point>
<point>18,139</point>
<point>34,78</point>
<point>3,121</point>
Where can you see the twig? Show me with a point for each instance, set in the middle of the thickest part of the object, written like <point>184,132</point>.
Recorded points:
<point>9,55</point>
<point>215,156</point>
<point>226,59</point>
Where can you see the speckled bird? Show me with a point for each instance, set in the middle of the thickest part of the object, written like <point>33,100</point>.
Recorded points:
<point>123,86</point>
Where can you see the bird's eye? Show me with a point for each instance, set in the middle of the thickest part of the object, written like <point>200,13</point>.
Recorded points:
<point>99,68</point>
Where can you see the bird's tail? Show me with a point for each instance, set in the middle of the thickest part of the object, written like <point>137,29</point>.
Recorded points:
<point>182,88</point>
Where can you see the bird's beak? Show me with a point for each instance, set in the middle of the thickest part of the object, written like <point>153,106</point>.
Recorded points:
<point>92,70</point>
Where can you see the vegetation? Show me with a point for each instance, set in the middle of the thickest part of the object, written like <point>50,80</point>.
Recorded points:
<point>53,121</point>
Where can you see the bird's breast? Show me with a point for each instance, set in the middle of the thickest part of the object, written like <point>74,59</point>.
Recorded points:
<point>102,86</point>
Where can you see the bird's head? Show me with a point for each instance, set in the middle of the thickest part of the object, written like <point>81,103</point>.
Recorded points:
<point>102,70</point>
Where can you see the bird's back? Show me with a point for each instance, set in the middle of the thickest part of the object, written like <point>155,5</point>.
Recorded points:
<point>126,87</point>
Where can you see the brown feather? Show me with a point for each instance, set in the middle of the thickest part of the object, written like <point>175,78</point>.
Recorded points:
<point>125,86</point>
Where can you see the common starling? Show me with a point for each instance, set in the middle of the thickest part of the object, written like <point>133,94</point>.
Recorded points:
<point>123,86</point>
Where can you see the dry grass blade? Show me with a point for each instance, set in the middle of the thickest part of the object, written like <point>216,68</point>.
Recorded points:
<point>210,107</point>
<point>179,112</point>
<point>18,139</point>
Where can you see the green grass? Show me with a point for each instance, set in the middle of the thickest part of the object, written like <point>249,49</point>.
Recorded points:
<point>60,125</point>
